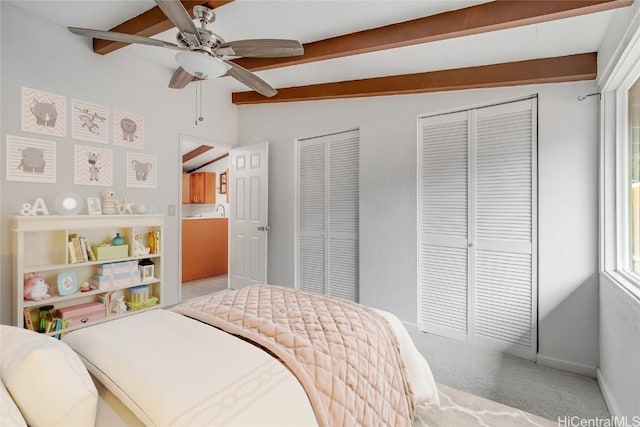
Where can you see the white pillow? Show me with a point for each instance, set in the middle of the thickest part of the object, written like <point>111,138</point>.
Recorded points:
<point>9,413</point>
<point>46,379</point>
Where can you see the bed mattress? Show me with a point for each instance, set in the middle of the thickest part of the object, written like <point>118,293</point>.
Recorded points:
<point>170,370</point>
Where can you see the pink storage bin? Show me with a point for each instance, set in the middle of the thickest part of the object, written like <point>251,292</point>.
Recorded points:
<point>84,313</point>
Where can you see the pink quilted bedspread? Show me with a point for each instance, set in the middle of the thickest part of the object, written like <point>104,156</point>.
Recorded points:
<point>346,356</point>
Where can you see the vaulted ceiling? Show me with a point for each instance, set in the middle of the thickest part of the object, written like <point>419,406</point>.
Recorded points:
<point>373,48</point>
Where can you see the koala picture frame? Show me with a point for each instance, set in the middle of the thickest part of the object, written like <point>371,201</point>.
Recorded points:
<point>142,170</point>
<point>128,129</point>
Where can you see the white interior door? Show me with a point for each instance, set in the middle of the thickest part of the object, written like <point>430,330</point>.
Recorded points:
<point>248,226</point>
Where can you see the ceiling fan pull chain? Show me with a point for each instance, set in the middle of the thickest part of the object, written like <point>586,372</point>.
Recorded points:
<point>198,108</point>
<point>200,118</point>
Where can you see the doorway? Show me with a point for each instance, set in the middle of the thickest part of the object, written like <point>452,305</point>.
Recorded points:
<point>204,216</point>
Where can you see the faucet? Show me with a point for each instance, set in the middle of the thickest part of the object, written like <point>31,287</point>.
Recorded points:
<point>224,214</point>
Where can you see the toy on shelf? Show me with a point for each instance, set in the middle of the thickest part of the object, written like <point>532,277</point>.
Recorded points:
<point>35,288</point>
<point>109,203</point>
<point>138,247</point>
<point>119,306</point>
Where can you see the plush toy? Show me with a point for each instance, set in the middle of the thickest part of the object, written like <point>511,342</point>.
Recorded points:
<point>109,203</point>
<point>138,247</point>
<point>35,288</point>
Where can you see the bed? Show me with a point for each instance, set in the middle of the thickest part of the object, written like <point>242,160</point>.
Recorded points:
<point>180,367</point>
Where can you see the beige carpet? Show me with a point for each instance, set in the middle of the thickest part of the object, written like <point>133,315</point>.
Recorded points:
<point>460,409</point>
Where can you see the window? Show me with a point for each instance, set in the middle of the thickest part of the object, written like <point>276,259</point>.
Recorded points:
<point>620,169</point>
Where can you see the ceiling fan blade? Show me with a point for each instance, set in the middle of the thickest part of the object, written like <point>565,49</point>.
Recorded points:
<point>122,37</point>
<point>262,48</point>
<point>179,16</point>
<point>249,79</point>
<point>180,79</point>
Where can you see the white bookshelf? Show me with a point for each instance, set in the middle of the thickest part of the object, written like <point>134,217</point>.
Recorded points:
<point>39,245</point>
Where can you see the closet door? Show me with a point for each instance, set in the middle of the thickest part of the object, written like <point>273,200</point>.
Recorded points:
<point>343,215</point>
<point>505,217</point>
<point>443,224</point>
<point>477,266</point>
<point>311,213</point>
<point>327,241</point>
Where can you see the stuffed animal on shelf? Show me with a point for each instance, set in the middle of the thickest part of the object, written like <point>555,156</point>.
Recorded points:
<point>109,202</point>
<point>138,247</point>
<point>35,288</point>
<point>119,306</point>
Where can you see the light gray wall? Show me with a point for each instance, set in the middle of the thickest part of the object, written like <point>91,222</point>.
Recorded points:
<point>619,370</point>
<point>568,136</point>
<point>45,56</point>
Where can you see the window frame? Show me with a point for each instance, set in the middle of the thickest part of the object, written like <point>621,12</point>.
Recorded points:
<point>615,179</point>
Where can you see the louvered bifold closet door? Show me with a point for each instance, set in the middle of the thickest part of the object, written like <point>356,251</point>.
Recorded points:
<point>343,215</point>
<point>505,256</point>
<point>442,224</point>
<point>327,246</point>
<point>310,250</point>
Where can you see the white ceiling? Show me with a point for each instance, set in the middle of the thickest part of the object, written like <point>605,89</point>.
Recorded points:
<point>310,20</point>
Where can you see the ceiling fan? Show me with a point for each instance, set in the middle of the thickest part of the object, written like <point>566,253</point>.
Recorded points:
<point>201,52</point>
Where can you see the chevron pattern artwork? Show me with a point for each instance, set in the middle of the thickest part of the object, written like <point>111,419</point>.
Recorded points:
<point>43,112</point>
<point>128,129</point>
<point>93,166</point>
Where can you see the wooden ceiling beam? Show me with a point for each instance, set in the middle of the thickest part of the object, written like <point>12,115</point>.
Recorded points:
<point>547,70</point>
<point>148,24</point>
<point>492,16</point>
<point>195,152</point>
<point>208,163</point>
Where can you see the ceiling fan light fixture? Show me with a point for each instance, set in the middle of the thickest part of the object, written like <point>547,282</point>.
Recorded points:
<point>201,65</point>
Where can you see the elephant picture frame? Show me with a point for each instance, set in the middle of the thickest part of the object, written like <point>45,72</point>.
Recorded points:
<point>142,170</point>
<point>30,160</point>
<point>128,129</point>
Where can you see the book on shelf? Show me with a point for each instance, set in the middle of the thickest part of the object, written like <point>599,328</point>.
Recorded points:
<point>77,248</point>
<point>92,256</point>
<point>83,248</point>
<point>72,253</point>
<point>58,327</point>
<point>28,322</point>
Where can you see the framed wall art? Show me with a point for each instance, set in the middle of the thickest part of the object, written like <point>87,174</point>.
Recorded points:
<point>128,129</point>
<point>89,122</point>
<point>43,112</point>
<point>142,170</point>
<point>93,166</point>
<point>30,160</point>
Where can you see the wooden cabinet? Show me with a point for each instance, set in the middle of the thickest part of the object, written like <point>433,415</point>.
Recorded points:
<point>204,247</point>
<point>186,196</point>
<point>202,187</point>
<point>41,246</point>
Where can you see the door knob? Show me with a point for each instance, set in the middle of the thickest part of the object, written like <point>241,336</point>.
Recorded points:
<point>264,228</point>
